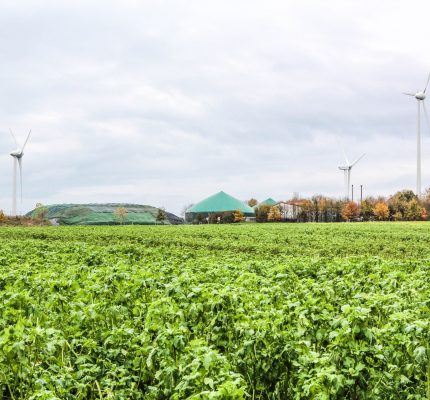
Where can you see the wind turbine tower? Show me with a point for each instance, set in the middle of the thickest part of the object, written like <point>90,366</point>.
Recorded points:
<point>420,96</point>
<point>17,161</point>
<point>347,173</point>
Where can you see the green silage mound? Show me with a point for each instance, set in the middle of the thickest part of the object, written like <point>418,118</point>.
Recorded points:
<point>104,214</point>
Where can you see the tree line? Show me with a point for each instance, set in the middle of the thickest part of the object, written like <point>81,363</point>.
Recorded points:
<point>402,206</point>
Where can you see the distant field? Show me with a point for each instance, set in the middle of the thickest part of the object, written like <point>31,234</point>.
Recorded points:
<point>258,311</point>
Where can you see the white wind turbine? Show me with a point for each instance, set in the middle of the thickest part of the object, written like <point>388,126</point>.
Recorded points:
<point>17,161</point>
<point>420,96</point>
<point>347,172</point>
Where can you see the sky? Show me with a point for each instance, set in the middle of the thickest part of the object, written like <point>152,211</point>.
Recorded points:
<point>167,102</point>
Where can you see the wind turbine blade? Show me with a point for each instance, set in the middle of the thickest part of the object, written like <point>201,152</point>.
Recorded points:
<point>26,140</point>
<point>343,150</point>
<point>344,154</point>
<point>425,113</point>
<point>20,174</point>
<point>409,94</point>
<point>14,138</point>
<point>358,159</point>
<point>428,79</point>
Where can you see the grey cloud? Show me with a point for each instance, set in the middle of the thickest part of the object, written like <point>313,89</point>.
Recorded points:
<point>166,102</point>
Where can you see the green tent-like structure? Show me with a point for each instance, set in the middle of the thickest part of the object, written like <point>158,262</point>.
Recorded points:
<point>220,202</point>
<point>269,202</point>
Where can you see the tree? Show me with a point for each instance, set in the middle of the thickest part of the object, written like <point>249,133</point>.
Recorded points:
<point>413,211</point>
<point>426,202</point>
<point>252,202</point>
<point>238,216</point>
<point>424,214</point>
<point>227,218</point>
<point>199,219</point>
<point>41,212</point>
<point>315,208</point>
<point>305,210</point>
<point>381,211</point>
<point>366,208</point>
<point>274,214</point>
<point>120,214</point>
<point>400,205</point>
<point>323,208</point>
<point>406,206</point>
<point>350,211</point>
<point>406,195</point>
<point>261,213</point>
<point>397,216</point>
<point>161,215</point>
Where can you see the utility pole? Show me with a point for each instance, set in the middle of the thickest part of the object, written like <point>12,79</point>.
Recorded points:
<point>361,194</point>
<point>352,193</point>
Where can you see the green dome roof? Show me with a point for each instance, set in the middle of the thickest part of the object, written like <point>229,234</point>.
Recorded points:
<point>269,202</point>
<point>221,202</point>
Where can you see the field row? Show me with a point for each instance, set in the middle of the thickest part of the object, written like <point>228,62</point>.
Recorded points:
<point>218,312</point>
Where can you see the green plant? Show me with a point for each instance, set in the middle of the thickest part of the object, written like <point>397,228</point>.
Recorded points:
<point>273,311</point>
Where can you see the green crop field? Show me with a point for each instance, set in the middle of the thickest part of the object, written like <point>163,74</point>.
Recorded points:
<point>299,311</point>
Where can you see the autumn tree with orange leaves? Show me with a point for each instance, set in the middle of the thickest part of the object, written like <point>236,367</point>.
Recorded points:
<point>381,211</point>
<point>350,211</point>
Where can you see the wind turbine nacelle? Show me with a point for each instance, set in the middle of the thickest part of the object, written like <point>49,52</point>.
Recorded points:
<point>17,153</point>
<point>420,96</point>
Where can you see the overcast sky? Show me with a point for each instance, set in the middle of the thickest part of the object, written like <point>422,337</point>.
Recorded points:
<point>167,102</point>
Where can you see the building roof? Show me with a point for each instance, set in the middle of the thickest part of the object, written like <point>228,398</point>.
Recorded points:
<point>221,202</point>
<point>269,202</point>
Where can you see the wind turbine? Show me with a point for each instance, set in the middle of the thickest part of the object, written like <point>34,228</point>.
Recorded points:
<point>17,160</point>
<point>420,96</point>
<point>347,172</point>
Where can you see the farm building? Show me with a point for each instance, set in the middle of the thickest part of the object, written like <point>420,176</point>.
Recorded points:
<point>217,206</point>
<point>289,210</point>
<point>268,202</point>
